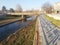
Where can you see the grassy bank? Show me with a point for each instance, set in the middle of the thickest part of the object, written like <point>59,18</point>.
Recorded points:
<point>54,21</point>
<point>24,36</point>
<point>6,17</point>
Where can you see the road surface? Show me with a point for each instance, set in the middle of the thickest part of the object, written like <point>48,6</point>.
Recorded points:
<point>50,32</point>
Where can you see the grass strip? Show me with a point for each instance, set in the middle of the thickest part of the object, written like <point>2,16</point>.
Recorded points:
<point>53,21</point>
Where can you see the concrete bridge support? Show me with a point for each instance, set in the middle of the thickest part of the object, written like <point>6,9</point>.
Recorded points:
<point>22,17</point>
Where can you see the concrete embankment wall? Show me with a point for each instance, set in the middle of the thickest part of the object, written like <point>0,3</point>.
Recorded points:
<point>55,16</point>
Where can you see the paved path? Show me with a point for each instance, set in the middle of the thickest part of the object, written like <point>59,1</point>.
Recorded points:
<point>50,32</point>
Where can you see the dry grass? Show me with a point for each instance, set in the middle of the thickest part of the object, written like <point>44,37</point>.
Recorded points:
<point>24,36</point>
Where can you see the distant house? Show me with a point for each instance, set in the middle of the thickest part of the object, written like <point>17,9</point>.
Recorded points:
<point>57,7</point>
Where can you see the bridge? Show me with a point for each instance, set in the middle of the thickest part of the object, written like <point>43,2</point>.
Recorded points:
<point>24,13</point>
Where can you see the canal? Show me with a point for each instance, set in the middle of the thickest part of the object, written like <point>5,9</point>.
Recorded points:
<point>6,30</point>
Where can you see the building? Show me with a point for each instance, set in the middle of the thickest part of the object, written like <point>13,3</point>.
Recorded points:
<point>57,7</point>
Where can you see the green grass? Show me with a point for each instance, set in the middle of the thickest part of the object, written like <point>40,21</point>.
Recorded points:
<point>54,21</point>
<point>9,17</point>
<point>26,37</point>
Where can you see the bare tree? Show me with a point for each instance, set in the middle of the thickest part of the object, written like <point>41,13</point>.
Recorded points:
<point>19,8</point>
<point>4,10</point>
<point>47,7</point>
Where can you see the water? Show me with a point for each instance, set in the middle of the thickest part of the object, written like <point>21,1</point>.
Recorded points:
<point>6,30</point>
<point>9,29</point>
<point>32,18</point>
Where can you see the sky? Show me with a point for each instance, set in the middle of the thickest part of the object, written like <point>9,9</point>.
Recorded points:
<point>25,4</point>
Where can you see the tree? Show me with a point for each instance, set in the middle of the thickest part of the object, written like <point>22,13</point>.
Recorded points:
<point>18,8</point>
<point>47,7</point>
<point>4,9</point>
<point>11,10</point>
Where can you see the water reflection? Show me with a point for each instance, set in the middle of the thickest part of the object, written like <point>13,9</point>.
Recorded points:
<point>9,29</point>
<point>6,30</point>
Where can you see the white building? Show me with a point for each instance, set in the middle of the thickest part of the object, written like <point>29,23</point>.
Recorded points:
<point>57,7</point>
